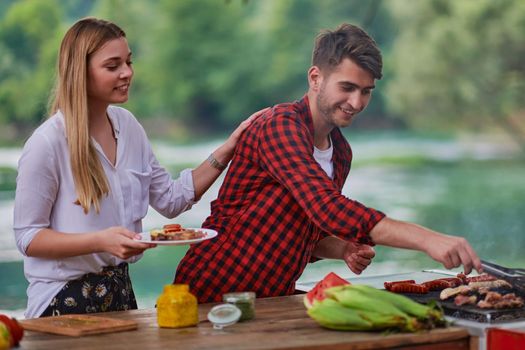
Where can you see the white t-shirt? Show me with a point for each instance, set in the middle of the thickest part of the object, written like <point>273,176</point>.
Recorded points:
<point>324,158</point>
<point>45,196</point>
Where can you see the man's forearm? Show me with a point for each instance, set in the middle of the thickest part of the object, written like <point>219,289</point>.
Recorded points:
<point>388,232</point>
<point>451,251</point>
<point>400,234</point>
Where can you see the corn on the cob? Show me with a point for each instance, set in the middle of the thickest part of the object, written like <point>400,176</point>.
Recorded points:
<point>331,314</point>
<point>355,299</point>
<point>394,322</point>
<point>403,303</point>
<point>363,308</point>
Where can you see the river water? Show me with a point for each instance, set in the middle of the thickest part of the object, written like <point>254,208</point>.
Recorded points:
<point>406,177</point>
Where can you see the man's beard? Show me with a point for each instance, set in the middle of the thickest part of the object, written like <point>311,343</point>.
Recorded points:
<point>326,111</point>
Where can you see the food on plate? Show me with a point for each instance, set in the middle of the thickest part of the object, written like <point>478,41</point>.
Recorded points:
<point>357,307</point>
<point>11,332</point>
<point>175,232</point>
<point>172,227</point>
<point>317,292</point>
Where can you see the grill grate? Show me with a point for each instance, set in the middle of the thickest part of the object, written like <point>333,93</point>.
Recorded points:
<point>471,312</point>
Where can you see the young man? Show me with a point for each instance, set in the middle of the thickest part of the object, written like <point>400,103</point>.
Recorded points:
<point>281,206</point>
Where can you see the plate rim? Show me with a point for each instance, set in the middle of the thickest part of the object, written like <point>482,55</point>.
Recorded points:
<point>210,233</point>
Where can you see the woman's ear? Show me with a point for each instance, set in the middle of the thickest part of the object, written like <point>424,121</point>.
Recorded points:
<point>314,78</point>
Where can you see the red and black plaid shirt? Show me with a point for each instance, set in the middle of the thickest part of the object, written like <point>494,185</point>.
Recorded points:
<point>275,204</point>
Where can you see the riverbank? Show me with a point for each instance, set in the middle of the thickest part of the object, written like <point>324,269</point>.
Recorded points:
<point>471,187</point>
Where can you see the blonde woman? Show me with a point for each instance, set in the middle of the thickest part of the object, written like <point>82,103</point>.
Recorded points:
<point>86,178</point>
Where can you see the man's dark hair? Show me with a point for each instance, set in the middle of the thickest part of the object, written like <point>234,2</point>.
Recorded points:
<point>347,41</point>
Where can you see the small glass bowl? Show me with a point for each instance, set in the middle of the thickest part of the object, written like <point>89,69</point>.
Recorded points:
<point>224,315</point>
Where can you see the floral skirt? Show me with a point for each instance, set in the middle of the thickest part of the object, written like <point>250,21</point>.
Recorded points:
<point>108,290</point>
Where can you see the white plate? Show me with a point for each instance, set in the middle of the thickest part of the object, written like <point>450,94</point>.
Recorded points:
<point>146,238</point>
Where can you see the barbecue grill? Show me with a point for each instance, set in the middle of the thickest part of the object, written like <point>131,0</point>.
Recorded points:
<point>472,312</point>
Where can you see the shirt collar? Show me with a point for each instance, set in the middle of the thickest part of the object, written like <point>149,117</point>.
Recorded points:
<point>112,118</point>
<point>304,106</point>
<point>114,121</point>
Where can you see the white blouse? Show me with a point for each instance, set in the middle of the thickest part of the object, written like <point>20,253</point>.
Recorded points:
<point>45,196</point>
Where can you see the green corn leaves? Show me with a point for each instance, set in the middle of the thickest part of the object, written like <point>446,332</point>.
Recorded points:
<point>364,308</point>
<point>403,303</point>
<point>331,314</point>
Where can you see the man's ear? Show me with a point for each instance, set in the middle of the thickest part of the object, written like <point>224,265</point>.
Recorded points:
<point>315,78</point>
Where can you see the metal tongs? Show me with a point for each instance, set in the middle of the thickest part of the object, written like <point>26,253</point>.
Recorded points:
<point>515,276</point>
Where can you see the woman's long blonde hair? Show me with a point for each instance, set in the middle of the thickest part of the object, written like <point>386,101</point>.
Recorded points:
<point>70,97</point>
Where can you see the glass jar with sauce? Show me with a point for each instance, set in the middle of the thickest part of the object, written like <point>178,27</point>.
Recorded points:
<point>177,307</point>
<point>245,301</point>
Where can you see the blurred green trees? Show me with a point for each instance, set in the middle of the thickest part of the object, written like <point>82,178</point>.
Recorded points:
<point>28,33</point>
<point>208,64</point>
<point>459,63</point>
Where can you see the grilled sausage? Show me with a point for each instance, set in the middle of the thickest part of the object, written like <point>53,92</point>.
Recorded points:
<point>388,285</point>
<point>409,288</point>
<point>454,281</point>
<point>481,278</point>
<point>462,277</point>
<point>438,284</point>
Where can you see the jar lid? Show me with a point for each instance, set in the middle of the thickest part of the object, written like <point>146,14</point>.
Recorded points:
<point>224,315</point>
<point>238,296</point>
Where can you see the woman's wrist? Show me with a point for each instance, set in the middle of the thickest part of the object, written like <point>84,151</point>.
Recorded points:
<point>215,163</point>
<point>96,241</point>
<point>223,154</point>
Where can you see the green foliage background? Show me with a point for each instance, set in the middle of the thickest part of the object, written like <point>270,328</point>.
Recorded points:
<point>201,66</point>
<point>205,65</point>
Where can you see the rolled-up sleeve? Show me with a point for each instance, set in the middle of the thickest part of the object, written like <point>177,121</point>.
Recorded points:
<point>36,188</point>
<point>169,196</point>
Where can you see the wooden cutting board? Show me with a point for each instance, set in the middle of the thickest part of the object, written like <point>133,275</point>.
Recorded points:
<point>78,325</point>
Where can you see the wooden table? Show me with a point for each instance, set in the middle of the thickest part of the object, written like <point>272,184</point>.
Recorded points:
<point>280,323</point>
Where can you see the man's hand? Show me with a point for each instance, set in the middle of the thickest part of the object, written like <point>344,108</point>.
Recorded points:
<point>358,256</point>
<point>453,252</point>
